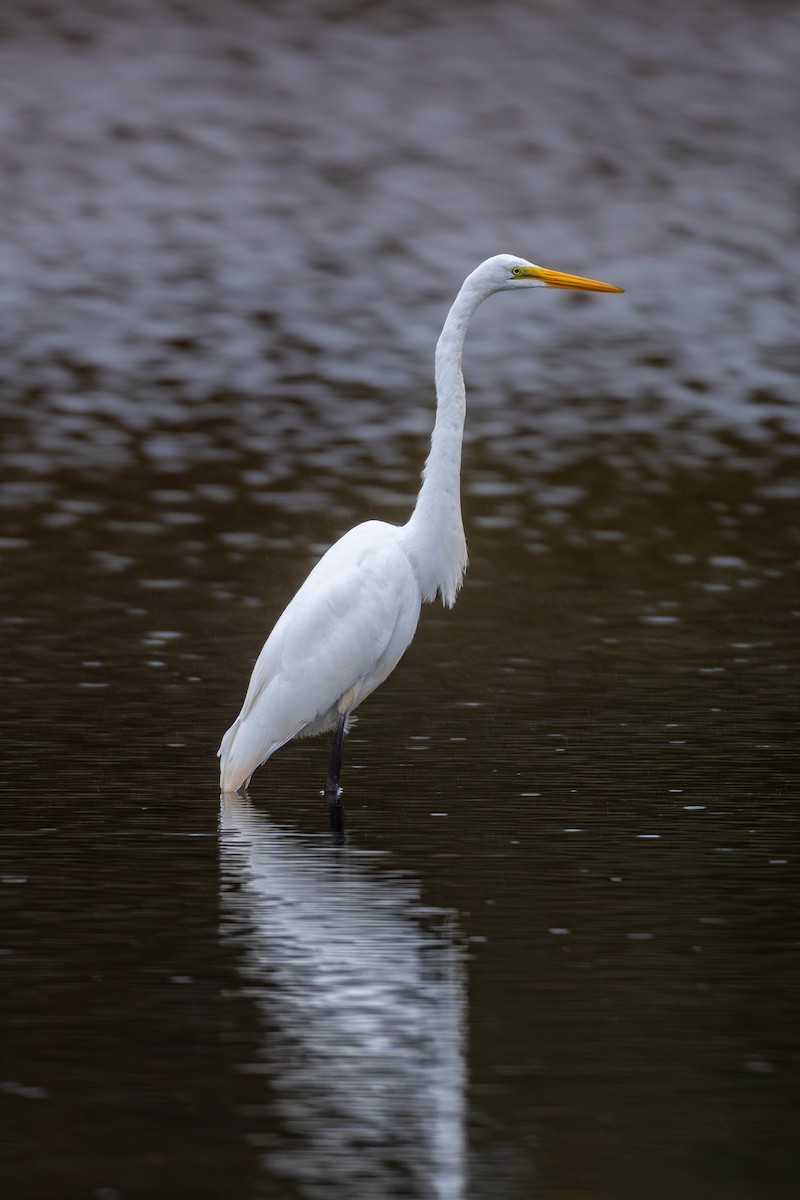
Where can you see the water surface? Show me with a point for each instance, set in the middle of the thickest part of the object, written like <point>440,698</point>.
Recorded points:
<point>557,954</point>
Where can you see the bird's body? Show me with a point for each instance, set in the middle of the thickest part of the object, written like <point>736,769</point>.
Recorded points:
<point>359,610</point>
<point>352,620</point>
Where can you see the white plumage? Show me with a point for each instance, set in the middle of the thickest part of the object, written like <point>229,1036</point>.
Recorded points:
<point>351,621</point>
<point>342,634</point>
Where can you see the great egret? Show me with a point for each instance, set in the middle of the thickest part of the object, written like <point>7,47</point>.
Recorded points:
<point>353,618</point>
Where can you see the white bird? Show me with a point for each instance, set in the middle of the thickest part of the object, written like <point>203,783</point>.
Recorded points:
<point>352,620</point>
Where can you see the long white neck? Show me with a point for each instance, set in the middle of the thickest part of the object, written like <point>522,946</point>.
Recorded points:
<point>434,535</point>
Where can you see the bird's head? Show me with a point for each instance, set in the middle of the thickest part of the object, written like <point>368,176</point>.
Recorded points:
<point>506,272</point>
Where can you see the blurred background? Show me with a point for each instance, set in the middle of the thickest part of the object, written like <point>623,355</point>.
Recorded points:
<point>557,956</point>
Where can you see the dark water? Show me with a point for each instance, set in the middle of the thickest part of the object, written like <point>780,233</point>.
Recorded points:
<point>558,955</point>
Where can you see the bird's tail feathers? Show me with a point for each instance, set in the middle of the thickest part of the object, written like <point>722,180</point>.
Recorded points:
<point>242,750</point>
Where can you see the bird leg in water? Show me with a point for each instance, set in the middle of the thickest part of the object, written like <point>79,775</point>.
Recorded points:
<point>332,788</point>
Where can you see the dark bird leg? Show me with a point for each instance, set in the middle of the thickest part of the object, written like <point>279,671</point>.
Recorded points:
<point>332,789</point>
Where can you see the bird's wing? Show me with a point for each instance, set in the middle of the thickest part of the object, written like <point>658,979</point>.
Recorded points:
<point>344,631</point>
<point>360,596</point>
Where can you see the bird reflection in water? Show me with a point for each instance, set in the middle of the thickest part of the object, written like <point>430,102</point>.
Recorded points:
<point>361,992</point>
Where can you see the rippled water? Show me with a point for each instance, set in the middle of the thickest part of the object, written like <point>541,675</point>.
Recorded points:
<point>557,954</point>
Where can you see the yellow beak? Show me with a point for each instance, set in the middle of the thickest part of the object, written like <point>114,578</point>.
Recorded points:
<point>557,279</point>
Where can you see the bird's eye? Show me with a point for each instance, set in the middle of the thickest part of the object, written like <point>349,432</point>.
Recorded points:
<point>516,270</point>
